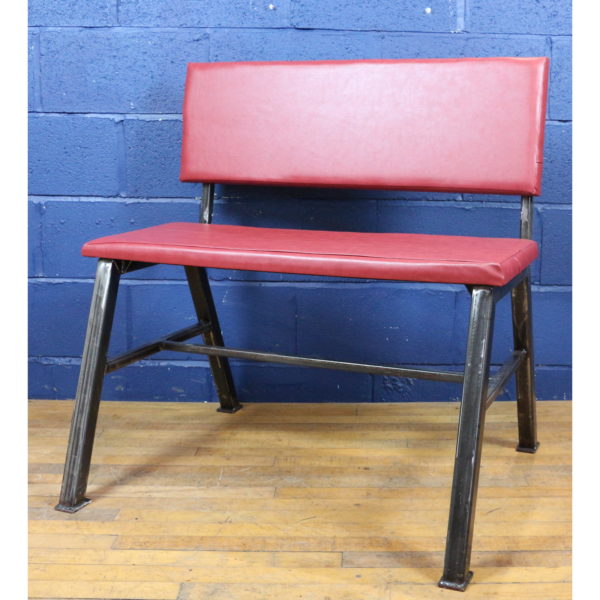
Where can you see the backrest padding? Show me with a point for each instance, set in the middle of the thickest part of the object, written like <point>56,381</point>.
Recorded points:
<point>456,125</point>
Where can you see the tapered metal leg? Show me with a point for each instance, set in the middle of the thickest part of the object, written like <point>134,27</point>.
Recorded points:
<point>206,312</point>
<point>456,574</point>
<point>89,387</point>
<point>523,340</point>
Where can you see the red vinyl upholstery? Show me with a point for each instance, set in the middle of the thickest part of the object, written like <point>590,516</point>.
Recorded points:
<point>465,125</point>
<point>468,125</point>
<point>398,256</point>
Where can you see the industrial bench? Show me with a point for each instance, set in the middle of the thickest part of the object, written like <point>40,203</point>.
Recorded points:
<point>452,125</point>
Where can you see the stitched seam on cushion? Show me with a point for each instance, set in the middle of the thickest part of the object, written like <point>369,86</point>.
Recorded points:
<point>514,256</point>
<point>297,253</point>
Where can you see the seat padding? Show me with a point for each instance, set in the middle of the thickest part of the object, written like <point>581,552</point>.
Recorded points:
<point>393,256</point>
<point>464,125</point>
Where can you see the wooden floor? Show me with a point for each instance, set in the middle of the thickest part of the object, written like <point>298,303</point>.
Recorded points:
<point>295,502</point>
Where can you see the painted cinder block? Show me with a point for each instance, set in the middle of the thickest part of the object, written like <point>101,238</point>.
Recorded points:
<point>73,155</point>
<point>450,218</point>
<point>34,239</point>
<point>256,316</point>
<point>551,326</point>
<point>52,379</point>
<point>557,170</point>
<point>153,150</point>
<point>557,182</point>
<point>241,193</point>
<point>187,381</point>
<point>519,16</point>
<point>291,213</point>
<point>376,322</point>
<point>180,381</point>
<point>384,15</point>
<point>560,79</point>
<point>239,45</point>
<point>414,45</point>
<point>116,70</point>
<point>157,309</point>
<point>556,247</point>
<point>72,12</point>
<point>58,312</point>
<point>554,383</point>
<point>70,222</point>
<point>259,382</point>
<point>33,97</point>
<point>204,13</point>
<point>160,381</point>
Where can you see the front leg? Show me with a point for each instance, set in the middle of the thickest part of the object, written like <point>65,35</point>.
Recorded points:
<point>456,574</point>
<point>89,387</point>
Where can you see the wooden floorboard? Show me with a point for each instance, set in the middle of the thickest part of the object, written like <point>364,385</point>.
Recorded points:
<point>295,502</point>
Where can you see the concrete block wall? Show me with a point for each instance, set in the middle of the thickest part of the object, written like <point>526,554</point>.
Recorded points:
<point>106,83</point>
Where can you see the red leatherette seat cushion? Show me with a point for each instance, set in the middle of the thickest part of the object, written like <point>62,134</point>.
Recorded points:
<point>398,256</point>
<point>464,125</point>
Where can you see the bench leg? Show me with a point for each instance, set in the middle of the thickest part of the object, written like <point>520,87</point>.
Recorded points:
<point>523,340</point>
<point>89,387</point>
<point>206,312</point>
<point>456,574</point>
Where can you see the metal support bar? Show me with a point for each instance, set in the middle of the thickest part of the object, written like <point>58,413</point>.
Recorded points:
<point>128,266</point>
<point>523,340</point>
<point>499,379</point>
<point>526,231</point>
<point>456,574</point>
<point>314,362</point>
<point>206,206</point>
<point>132,356</point>
<point>89,387</point>
<point>206,312</point>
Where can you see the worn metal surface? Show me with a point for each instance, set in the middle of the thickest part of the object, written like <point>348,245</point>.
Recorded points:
<point>456,377</point>
<point>525,376</point>
<point>206,203</point>
<point>498,380</point>
<point>89,387</point>
<point>526,231</point>
<point>456,573</point>
<point>206,312</point>
<point>523,340</point>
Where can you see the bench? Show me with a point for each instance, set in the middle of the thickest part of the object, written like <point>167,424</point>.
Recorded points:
<point>452,125</point>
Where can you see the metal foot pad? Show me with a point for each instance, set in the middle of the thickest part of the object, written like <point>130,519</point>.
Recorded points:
<point>230,410</point>
<point>453,585</point>
<point>528,450</point>
<point>73,509</point>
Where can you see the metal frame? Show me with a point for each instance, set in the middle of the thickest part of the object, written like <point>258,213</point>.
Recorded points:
<point>479,389</point>
<point>89,387</point>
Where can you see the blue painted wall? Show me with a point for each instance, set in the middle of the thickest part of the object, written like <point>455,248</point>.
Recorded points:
<point>106,82</point>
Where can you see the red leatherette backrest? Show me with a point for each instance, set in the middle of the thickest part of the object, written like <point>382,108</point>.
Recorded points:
<point>455,125</point>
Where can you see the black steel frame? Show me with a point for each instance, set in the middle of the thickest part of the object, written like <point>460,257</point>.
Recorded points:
<point>479,389</point>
